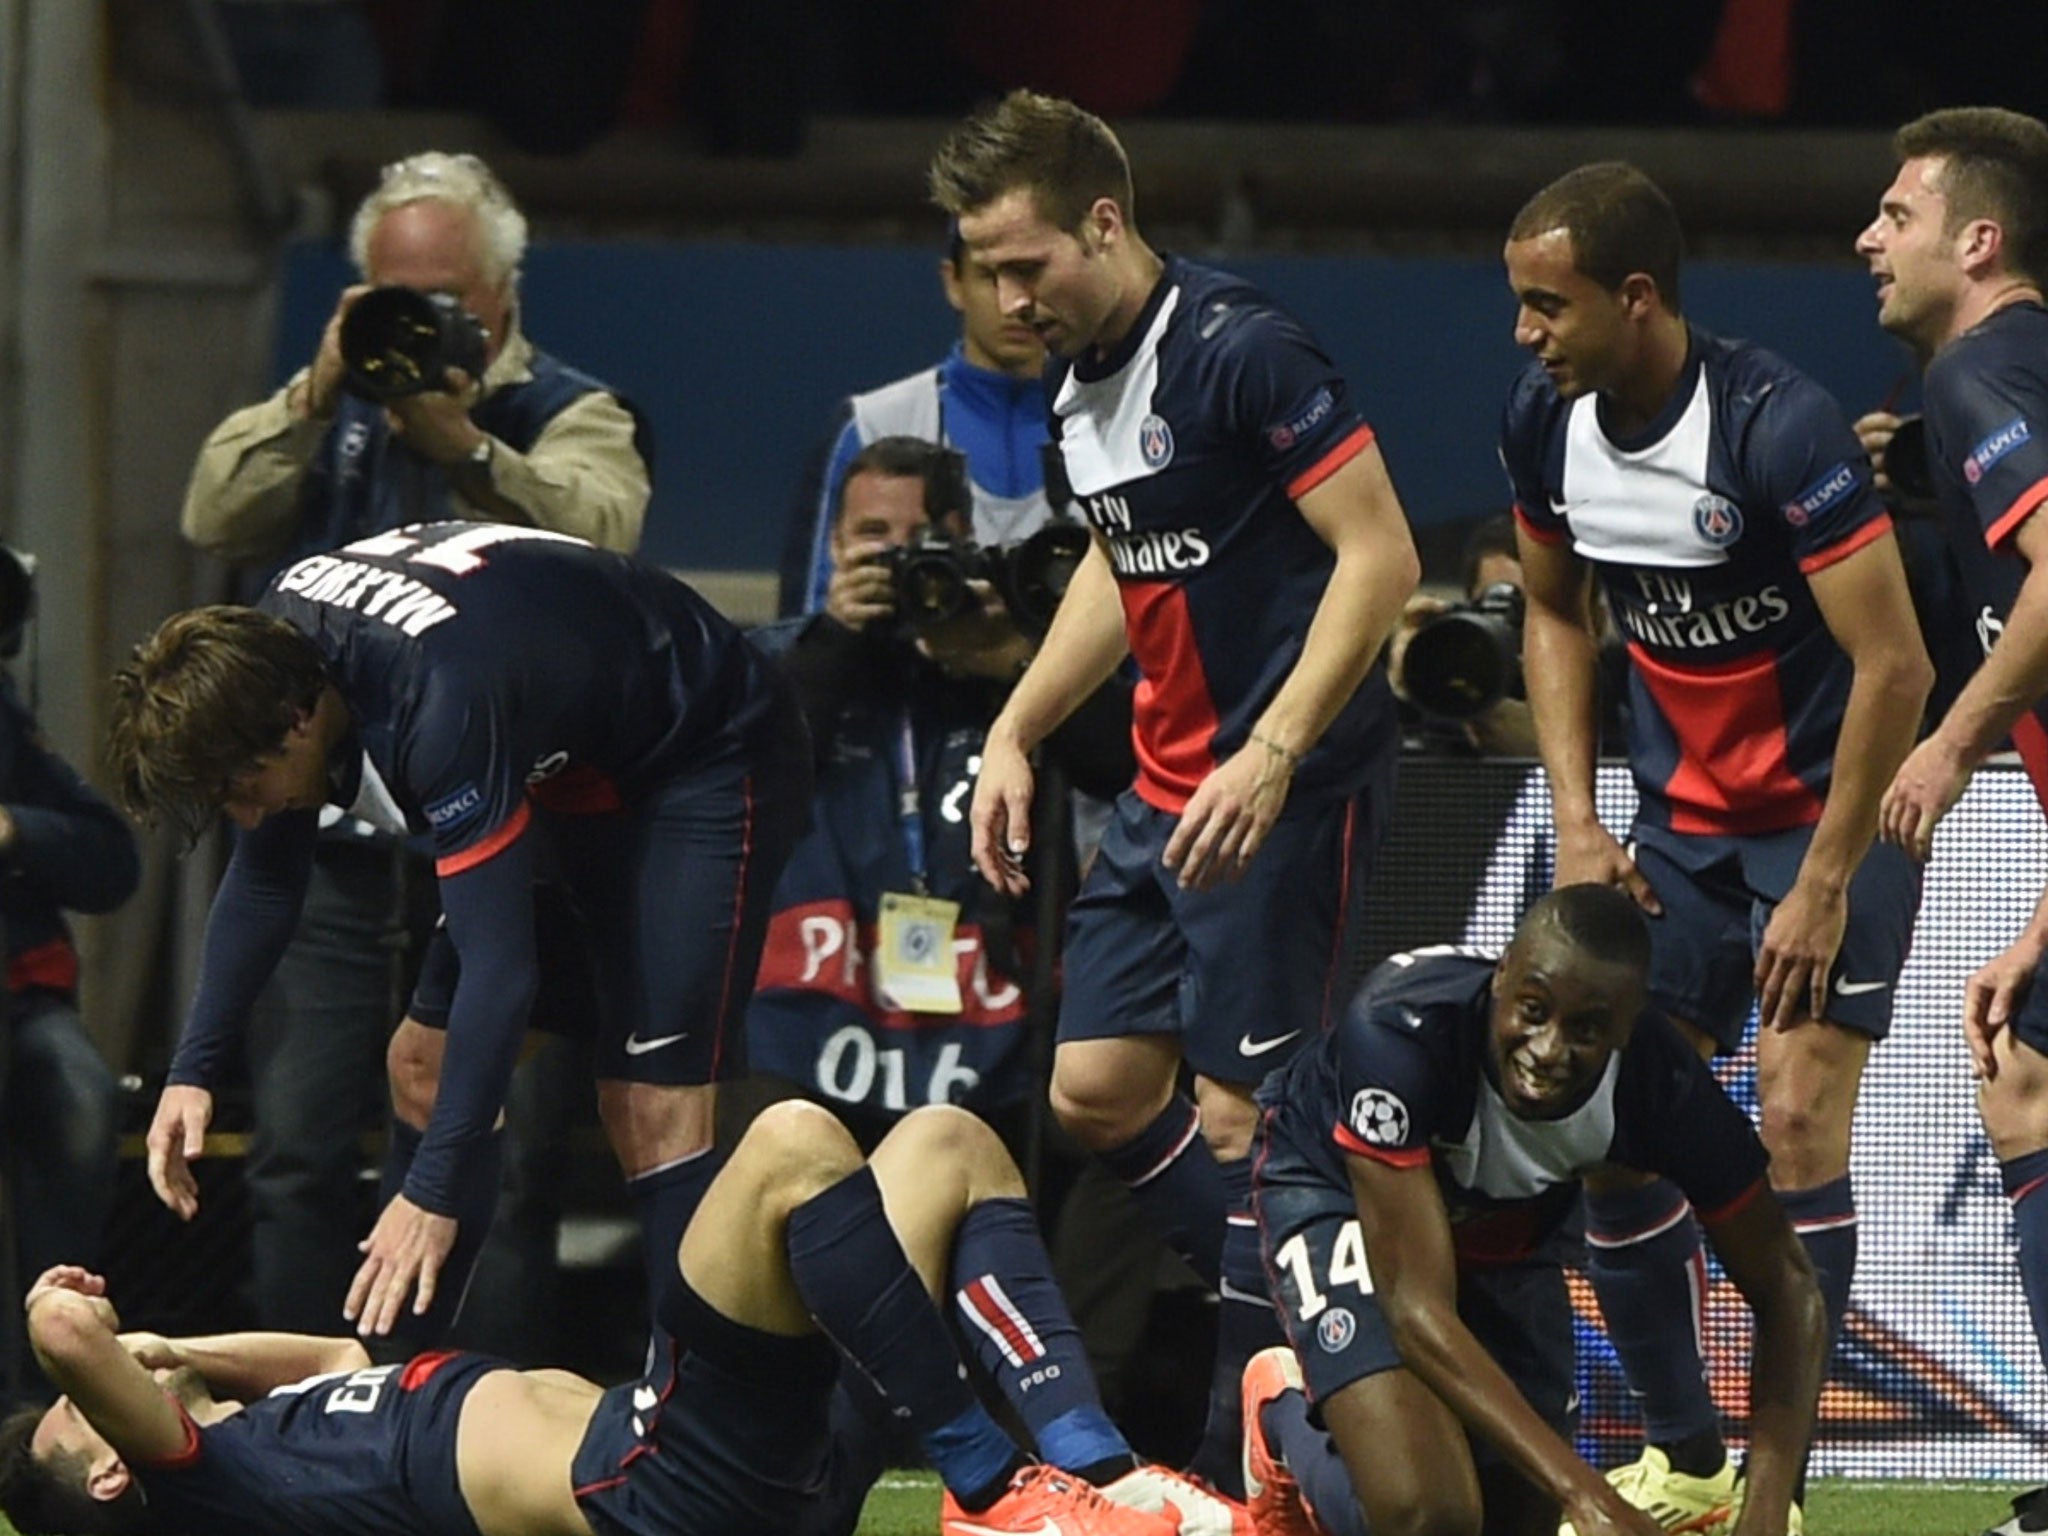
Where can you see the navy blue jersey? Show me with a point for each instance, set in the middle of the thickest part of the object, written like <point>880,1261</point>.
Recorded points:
<point>484,664</point>
<point>352,1453</point>
<point>1704,529</point>
<point>1186,448</point>
<point>1405,1079</point>
<point>1986,404</point>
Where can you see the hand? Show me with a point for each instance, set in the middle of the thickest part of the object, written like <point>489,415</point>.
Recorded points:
<point>1928,784</point>
<point>1590,854</point>
<point>78,1281</point>
<point>1875,430</point>
<point>152,1351</point>
<point>1991,996</point>
<point>176,1136</point>
<point>437,423</point>
<point>1799,948</point>
<point>407,1247</point>
<point>862,590</point>
<point>984,642</point>
<point>1000,817</point>
<point>1228,816</point>
<point>1418,610</point>
<point>1603,1512</point>
<point>323,379</point>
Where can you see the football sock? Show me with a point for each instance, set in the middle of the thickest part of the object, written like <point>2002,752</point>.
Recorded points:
<point>666,1198</point>
<point>1311,1455</point>
<point>1017,1326</point>
<point>1171,1171</point>
<point>2023,1177</point>
<point>1650,1275</point>
<point>1245,1324</point>
<point>476,1204</point>
<point>858,1283</point>
<point>1825,1219</point>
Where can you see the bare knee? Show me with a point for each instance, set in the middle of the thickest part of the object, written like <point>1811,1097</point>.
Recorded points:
<point>792,1151</point>
<point>1106,1092</point>
<point>946,1136</point>
<point>1229,1117</point>
<point>412,1065</point>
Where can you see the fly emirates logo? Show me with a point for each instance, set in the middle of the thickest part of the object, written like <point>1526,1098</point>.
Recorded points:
<point>1662,612</point>
<point>1144,551</point>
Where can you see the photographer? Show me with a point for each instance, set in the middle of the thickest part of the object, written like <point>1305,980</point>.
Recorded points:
<point>1467,694</point>
<point>517,437</point>
<point>529,441</point>
<point>898,707</point>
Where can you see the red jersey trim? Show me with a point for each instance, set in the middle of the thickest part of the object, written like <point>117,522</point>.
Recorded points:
<point>2010,519</point>
<point>420,1369</point>
<point>1537,532</point>
<point>1734,1207</point>
<point>2030,740</point>
<point>1393,1157</point>
<point>1345,451</point>
<point>53,965</point>
<point>186,1454</point>
<point>490,847</point>
<point>1869,533</point>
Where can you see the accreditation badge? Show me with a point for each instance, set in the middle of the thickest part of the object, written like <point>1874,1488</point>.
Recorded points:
<point>914,965</point>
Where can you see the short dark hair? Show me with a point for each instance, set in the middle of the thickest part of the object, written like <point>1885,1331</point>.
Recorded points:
<point>1490,536</point>
<point>1065,156</point>
<point>914,458</point>
<point>200,703</point>
<point>1598,920</point>
<point>1619,222</point>
<point>1995,166</point>
<point>48,1498</point>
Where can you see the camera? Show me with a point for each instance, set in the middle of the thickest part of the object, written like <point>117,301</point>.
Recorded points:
<point>397,341</point>
<point>931,574</point>
<point>1469,657</point>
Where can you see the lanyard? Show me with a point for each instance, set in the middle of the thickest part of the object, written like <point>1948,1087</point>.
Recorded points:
<point>909,813</point>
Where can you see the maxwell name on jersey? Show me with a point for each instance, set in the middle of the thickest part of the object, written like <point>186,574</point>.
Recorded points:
<point>383,594</point>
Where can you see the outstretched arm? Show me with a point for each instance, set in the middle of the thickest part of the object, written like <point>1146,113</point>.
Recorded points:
<point>1757,1248</point>
<point>1414,1274</point>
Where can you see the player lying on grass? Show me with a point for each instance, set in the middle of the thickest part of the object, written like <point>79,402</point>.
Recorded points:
<point>1414,1175</point>
<point>746,1421</point>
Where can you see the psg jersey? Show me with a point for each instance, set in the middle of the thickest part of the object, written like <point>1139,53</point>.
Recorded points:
<point>1704,529</point>
<point>355,1453</point>
<point>1986,401</point>
<point>1186,448</point>
<point>484,664</point>
<point>1405,1079</point>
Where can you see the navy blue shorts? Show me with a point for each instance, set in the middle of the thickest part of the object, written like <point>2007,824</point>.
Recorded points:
<point>1245,973</point>
<point>1319,1275</point>
<point>1718,895</point>
<point>730,1432</point>
<point>651,923</point>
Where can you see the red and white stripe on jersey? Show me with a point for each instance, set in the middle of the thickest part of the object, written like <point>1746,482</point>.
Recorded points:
<point>985,1304</point>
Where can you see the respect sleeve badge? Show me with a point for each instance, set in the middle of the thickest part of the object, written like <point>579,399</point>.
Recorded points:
<point>915,967</point>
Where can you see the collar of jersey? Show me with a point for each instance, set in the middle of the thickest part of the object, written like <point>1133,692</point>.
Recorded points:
<point>1088,371</point>
<point>1673,407</point>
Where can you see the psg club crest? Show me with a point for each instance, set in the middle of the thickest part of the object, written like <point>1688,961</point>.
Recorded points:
<point>1155,442</point>
<point>1717,520</point>
<point>1335,1328</point>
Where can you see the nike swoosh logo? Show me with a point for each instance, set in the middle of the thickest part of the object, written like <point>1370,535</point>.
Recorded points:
<point>635,1046</point>
<point>1845,988</point>
<point>1247,1046</point>
<point>1046,1527</point>
<point>1229,1292</point>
